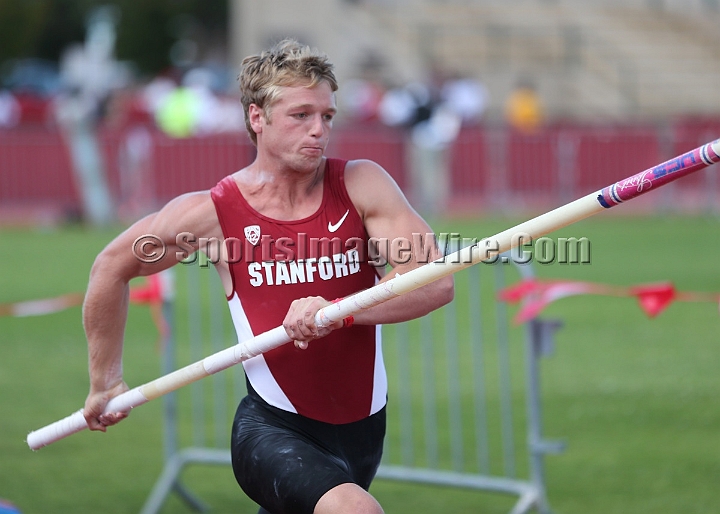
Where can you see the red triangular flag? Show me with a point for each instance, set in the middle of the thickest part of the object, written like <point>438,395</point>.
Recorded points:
<point>151,292</point>
<point>517,292</point>
<point>554,290</point>
<point>654,298</point>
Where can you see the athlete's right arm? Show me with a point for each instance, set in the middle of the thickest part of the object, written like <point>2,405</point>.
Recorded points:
<point>147,247</point>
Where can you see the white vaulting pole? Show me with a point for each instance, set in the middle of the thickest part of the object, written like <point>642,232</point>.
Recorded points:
<point>485,250</point>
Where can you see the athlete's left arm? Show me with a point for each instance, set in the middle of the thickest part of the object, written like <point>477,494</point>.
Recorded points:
<point>405,241</point>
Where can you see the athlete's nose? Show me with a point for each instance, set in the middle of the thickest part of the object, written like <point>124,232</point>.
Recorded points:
<point>317,127</point>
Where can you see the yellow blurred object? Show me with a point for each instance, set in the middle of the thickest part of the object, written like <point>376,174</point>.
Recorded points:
<point>523,110</point>
<point>178,115</point>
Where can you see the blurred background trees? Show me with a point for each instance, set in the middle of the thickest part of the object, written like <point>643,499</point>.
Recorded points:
<point>150,33</point>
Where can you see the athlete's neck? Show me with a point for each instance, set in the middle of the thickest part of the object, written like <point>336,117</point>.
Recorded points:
<point>282,194</point>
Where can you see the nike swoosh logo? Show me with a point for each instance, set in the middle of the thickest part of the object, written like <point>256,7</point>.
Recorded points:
<point>333,228</point>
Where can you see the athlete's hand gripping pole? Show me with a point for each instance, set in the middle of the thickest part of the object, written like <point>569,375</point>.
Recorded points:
<point>484,250</point>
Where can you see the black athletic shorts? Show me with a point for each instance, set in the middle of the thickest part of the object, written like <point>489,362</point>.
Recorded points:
<point>286,462</point>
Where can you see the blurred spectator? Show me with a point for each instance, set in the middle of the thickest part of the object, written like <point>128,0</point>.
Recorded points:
<point>193,108</point>
<point>90,73</point>
<point>439,130</point>
<point>156,92</point>
<point>406,106</point>
<point>433,125</point>
<point>135,172</point>
<point>433,121</point>
<point>361,97</point>
<point>523,109</point>
<point>178,112</point>
<point>230,117</point>
<point>211,109</point>
<point>9,110</point>
<point>32,83</point>
<point>37,77</point>
<point>126,108</point>
<point>397,107</point>
<point>466,97</point>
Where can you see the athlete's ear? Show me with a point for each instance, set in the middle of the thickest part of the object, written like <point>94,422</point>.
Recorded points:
<point>256,116</point>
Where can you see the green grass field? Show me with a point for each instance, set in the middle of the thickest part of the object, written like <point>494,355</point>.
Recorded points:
<point>635,399</point>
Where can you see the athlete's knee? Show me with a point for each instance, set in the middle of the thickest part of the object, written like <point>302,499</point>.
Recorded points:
<point>347,499</point>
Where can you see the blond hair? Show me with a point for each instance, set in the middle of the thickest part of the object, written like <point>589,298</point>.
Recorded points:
<point>287,63</point>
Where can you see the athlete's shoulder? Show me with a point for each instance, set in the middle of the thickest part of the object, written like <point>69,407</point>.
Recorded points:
<point>193,211</point>
<point>226,186</point>
<point>190,201</point>
<point>367,173</point>
<point>362,165</point>
<point>366,177</point>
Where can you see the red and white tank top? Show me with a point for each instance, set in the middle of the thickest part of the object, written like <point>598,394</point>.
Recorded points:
<point>339,378</point>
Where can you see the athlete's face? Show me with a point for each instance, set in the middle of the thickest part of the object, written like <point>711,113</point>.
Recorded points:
<point>297,129</point>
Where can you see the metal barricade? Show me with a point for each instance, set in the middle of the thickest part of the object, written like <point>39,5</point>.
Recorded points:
<point>464,391</point>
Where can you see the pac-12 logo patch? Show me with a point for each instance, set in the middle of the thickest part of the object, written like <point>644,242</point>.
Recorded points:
<point>252,234</point>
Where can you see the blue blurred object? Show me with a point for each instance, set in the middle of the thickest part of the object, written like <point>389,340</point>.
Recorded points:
<point>38,77</point>
<point>8,508</point>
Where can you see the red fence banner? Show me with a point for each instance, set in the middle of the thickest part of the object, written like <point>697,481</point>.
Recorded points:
<point>534,295</point>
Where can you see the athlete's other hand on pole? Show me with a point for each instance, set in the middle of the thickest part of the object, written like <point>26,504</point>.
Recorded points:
<point>95,405</point>
<point>299,322</point>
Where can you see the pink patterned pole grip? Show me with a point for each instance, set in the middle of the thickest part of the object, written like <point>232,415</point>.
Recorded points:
<point>684,164</point>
